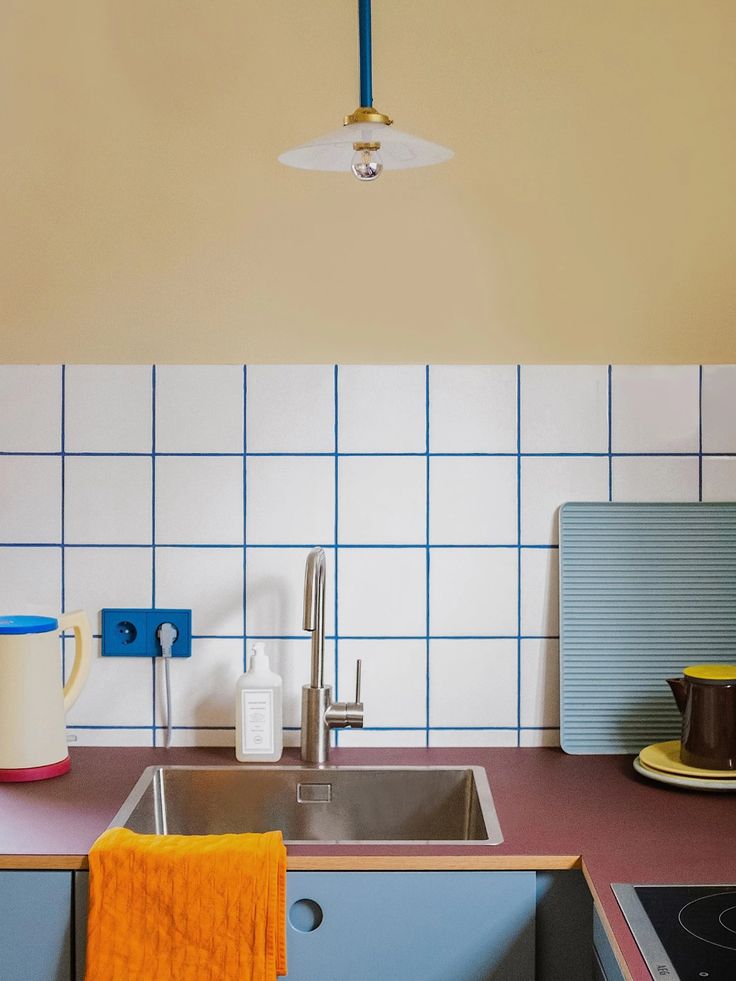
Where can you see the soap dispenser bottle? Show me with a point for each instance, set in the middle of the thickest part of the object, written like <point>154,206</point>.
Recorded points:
<point>259,736</point>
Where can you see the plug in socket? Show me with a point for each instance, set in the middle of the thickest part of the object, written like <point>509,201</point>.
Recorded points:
<point>133,633</point>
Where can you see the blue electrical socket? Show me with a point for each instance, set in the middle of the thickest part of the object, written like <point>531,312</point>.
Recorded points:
<point>133,633</point>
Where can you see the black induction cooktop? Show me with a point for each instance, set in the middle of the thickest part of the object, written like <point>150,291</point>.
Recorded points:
<point>685,933</point>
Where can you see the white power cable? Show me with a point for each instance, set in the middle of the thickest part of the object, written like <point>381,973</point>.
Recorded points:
<point>167,634</point>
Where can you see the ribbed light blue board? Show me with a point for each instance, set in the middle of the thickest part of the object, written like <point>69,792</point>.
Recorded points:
<point>645,590</point>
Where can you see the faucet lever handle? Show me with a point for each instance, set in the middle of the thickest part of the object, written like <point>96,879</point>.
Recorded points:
<point>358,669</point>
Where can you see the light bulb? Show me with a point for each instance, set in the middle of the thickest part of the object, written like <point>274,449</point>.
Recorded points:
<point>366,163</point>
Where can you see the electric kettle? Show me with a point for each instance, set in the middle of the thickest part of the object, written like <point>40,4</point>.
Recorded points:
<point>706,698</point>
<point>32,700</point>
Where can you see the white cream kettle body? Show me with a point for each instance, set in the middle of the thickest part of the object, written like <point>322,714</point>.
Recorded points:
<point>32,701</point>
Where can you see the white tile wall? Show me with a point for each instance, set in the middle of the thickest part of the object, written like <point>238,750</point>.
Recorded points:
<point>434,491</point>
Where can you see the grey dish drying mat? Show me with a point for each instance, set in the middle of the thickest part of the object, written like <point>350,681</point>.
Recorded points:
<point>645,590</point>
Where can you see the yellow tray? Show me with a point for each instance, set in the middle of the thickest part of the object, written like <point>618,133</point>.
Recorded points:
<point>665,757</point>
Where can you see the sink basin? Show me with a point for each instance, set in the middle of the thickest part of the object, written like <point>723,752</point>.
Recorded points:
<point>330,805</point>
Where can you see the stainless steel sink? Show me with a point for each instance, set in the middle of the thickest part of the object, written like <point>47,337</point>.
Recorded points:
<point>331,805</point>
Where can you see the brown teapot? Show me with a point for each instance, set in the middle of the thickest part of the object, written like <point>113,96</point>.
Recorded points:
<point>706,698</point>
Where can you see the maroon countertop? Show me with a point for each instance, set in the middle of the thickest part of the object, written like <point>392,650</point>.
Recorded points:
<point>549,804</point>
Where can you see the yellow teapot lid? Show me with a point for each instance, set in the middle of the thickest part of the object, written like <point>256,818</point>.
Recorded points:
<point>711,672</point>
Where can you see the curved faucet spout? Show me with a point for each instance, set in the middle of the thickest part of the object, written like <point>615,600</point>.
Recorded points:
<point>319,712</point>
<point>314,612</point>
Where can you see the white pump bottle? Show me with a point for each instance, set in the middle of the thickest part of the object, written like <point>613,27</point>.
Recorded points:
<point>259,736</point>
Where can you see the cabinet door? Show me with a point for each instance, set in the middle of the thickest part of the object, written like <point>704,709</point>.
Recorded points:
<point>35,924</point>
<point>410,926</point>
<point>81,904</point>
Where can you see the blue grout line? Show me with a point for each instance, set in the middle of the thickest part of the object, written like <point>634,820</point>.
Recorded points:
<point>700,432</point>
<point>245,518</point>
<point>127,728</point>
<point>62,529</point>
<point>427,556</point>
<point>153,544</point>
<point>610,432</point>
<point>524,454</point>
<point>369,637</point>
<point>336,425</point>
<point>518,555</point>
<point>252,545</point>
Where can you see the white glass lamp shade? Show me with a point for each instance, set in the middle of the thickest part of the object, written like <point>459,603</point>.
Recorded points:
<point>334,151</point>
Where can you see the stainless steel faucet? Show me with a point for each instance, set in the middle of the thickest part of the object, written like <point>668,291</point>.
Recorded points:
<point>319,712</point>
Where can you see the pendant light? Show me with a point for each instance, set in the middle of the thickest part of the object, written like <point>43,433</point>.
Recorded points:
<point>367,144</point>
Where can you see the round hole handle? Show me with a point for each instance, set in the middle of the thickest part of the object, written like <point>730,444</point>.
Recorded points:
<point>305,915</point>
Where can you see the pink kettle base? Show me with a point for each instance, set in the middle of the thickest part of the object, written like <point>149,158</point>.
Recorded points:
<point>25,774</point>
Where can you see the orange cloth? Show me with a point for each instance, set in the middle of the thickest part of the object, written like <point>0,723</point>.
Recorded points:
<point>187,907</point>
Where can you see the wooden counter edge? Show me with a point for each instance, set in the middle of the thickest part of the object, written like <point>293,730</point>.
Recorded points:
<point>348,863</point>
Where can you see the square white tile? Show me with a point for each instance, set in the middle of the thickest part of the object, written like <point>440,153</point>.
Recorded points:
<point>655,478</point>
<point>719,408</point>
<point>107,500</point>
<point>199,408</point>
<point>199,500</point>
<point>291,408</point>
<point>118,691</point>
<point>382,737</point>
<point>290,500</point>
<point>564,408</point>
<point>98,578</point>
<point>109,736</point>
<point>655,408</point>
<point>382,592</point>
<point>472,683</point>
<point>108,408</point>
<point>216,736</point>
<point>275,591</point>
<point>30,395</point>
<point>539,737</point>
<point>472,408</point>
<point>292,660</point>
<point>540,591</point>
<point>382,408</point>
<point>208,581</point>
<point>203,685</point>
<point>473,500</point>
<point>719,478</point>
<point>502,738</point>
<point>31,581</point>
<point>394,687</point>
<point>473,592</point>
<point>382,500</point>
<point>540,683</point>
<point>30,499</point>
<point>547,482</point>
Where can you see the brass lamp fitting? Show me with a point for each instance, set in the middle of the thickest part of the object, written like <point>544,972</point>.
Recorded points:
<point>367,114</point>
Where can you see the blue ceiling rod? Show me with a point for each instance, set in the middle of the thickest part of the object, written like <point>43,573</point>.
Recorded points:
<point>366,67</point>
<point>368,143</point>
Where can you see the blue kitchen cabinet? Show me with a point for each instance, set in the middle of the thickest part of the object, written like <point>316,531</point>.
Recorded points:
<point>411,926</point>
<point>35,926</point>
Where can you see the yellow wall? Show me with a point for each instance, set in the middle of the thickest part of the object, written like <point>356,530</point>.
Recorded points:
<point>589,214</point>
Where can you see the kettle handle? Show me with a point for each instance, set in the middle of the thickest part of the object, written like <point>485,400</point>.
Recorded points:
<point>78,622</point>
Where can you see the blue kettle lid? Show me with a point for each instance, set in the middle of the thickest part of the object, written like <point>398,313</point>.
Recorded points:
<point>27,625</point>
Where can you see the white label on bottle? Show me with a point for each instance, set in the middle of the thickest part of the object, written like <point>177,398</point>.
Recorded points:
<point>257,732</point>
